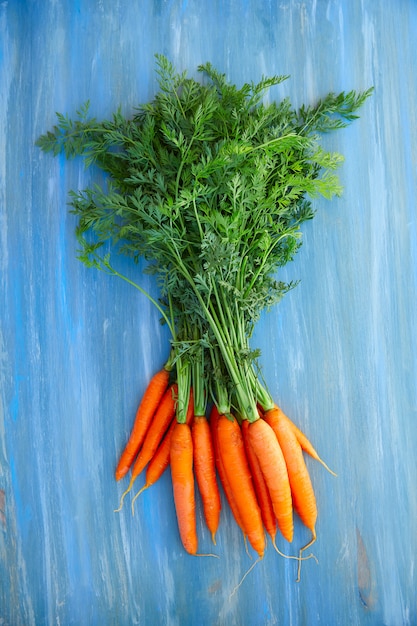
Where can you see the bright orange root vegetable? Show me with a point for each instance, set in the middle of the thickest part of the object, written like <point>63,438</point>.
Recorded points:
<point>232,453</point>
<point>160,460</point>
<point>261,489</point>
<point>214,418</point>
<point>301,487</point>
<point>147,407</point>
<point>205,472</point>
<point>181,461</point>
<point>271,460</point>
<point>304,442</point>
<point>160,423</point>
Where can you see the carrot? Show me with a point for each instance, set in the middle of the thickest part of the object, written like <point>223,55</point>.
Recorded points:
<point>214,418</point>
<point>205,472</point>
<point>160,423</point>
<point>181,460</point>
<point>271,460</point>
<point>232,454</point>
<point>301,487</point>
<point>261,489</point>
<point>304,442</point>
<point>147,407</point>
<point>160,460</point>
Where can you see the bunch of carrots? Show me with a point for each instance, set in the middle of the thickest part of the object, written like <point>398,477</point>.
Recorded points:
<point>259,464</point>
<point>210,185</point>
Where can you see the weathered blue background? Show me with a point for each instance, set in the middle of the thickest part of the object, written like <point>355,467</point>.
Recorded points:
<point>77,348</point>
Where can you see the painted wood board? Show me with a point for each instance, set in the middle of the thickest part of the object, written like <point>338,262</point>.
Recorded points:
<point>77,348</point>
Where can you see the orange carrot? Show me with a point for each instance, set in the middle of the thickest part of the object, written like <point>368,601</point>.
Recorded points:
<point>304,441</point>
<point>160,423</point>
<point>205,472</point>
<point>214,417</point>
<point>181,461</point>
<point>232,453</point>
<point>261,489</point>
<point>160,460</point>
<point>301,487</point>
<point>271,460</point>
<point>147,407</point>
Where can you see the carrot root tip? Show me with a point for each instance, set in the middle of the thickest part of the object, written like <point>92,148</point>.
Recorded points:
<point>291,556</point>
<point>136,496</point>
<point>326,467</point>
<point>245,539</point>
<point>301,558</point>
<point>245,575</point>
<point>124,494</point>
<point>216,556</point>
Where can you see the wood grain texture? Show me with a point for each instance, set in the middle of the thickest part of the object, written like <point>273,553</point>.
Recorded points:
<point>77,348</point>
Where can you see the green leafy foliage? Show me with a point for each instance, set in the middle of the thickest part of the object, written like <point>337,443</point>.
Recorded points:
<point>211,186</point>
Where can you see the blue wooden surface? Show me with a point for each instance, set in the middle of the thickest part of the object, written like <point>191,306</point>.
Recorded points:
<point>77,348</point>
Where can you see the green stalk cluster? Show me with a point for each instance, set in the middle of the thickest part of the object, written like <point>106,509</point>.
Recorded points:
<point>210,185</point>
